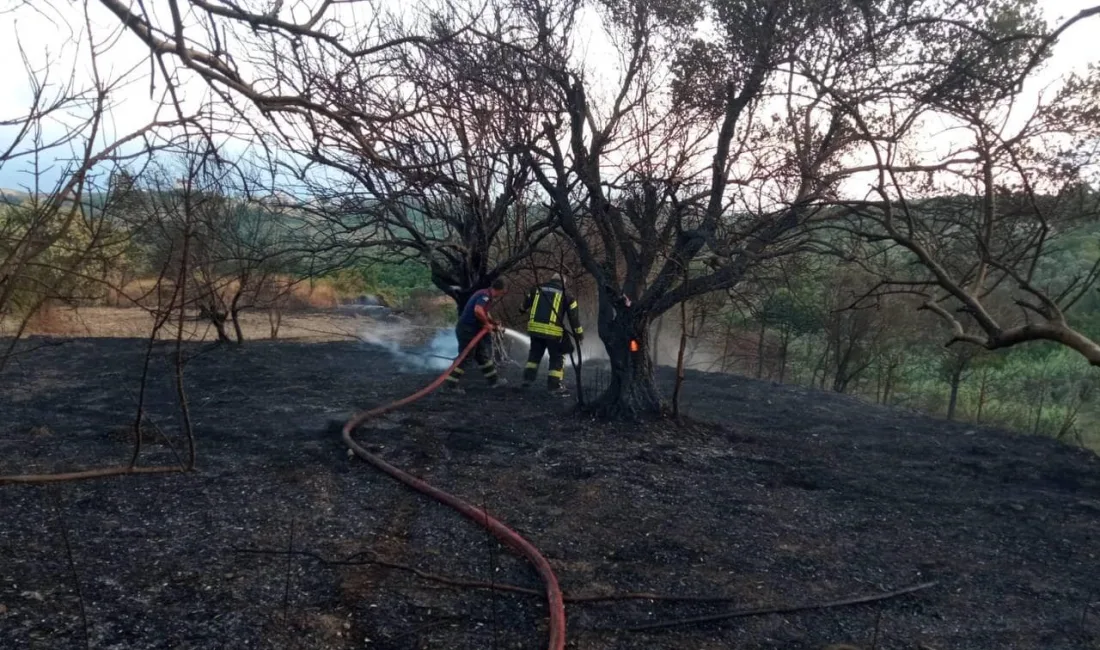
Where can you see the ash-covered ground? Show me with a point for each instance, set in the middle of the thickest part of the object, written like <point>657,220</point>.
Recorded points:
<point>786,496</point>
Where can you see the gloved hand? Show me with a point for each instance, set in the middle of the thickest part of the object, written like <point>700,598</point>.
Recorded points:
<point>579,337</point>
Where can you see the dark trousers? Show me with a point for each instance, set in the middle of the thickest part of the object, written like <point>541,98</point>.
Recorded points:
<point>539,345</point>
<point>482,355</point>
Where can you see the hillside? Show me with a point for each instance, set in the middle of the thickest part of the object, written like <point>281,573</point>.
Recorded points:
<point>787,496</point>
<point>12,196</point>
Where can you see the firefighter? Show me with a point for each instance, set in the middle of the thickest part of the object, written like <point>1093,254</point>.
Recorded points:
<point>548,305</point>
<point>475,317</point>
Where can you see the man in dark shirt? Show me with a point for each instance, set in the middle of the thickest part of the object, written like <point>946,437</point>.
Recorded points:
<point>548,305</point>
<point>475,317</point>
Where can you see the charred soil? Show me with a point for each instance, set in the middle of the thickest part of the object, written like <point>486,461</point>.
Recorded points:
<point>773,495</point>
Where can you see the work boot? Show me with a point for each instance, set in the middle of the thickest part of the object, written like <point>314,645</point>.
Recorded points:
<point>559,391</point>
<point>529,375</point>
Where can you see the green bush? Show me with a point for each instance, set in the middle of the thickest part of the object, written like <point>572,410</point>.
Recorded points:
<point>394,282</point>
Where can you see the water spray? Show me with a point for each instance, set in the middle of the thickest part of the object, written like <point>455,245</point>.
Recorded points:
<point>522,338</point>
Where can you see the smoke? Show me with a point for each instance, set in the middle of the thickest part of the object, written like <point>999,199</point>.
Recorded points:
<point>443,347</point>
<point>702,351</point>
<point>664,346</point>
<point>425,349</point>
<point>410,347</point>
<point>593,350</point>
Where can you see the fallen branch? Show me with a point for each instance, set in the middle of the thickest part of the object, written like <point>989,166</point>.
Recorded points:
<point>363,558</point>
<point>741,613</point>
<point>72,568</point>
<point>359,559</point>
<point>88,473</point>
<point>48,344</point>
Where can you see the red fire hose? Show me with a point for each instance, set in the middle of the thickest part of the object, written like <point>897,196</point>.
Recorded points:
<point>503,533</point>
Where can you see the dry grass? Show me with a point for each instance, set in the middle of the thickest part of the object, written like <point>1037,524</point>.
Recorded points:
<point>145,292</point>
<point>126,312</point>
<point>99,322</point>
<point>129,317</point>
<point>48,320</point>
<point>319,294</point>
<point>316,295</point>
<point>304,307</point>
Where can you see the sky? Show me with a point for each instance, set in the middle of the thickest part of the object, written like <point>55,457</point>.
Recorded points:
<point>1077,48</point>
<point>54,41</point>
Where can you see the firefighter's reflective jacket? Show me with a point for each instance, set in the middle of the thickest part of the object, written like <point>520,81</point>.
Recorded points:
<point>548,305</point>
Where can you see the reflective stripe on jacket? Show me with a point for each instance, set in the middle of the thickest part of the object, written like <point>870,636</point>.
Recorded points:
<point>548,305</point>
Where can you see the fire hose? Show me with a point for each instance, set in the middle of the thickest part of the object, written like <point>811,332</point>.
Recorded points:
<point>506,535</point>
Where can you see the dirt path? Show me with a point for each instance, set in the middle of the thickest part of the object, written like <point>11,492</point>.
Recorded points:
<point>790,495</point>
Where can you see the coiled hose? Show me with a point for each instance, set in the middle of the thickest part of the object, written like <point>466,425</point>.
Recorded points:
<point>506,535</point>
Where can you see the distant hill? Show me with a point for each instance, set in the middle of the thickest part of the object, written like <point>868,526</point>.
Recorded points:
<point>12,196</point>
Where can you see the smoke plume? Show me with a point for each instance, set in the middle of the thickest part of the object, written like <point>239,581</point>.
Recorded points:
<point>413,349</point>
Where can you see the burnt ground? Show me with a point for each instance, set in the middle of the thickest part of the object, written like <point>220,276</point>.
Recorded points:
<point>788,496</point>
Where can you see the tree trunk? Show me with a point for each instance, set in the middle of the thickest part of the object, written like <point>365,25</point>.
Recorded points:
<point>654,355</point>
<point>840,376</point>
<point>105,273</point>
<point>783,348</point>
<point>632,393</point>
<point>823,363</point>
<point>235,315</point>
<point>1039,411</point>
<point>461,298</point>
<point>728,338</point>
<point>274,319</point>
<point>235,307</point>
<point>888,387</point>
<point>1069,420</point>
<point>696,335</point>
<point>981,395</point>
<point>680,361</point>
<point>460,294</point>
<point>760,350</point>
<point>811,360</point>
<point>219,327</point>
<point>878,384</point>
<point>953,400</point>
<point>217,319</point>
